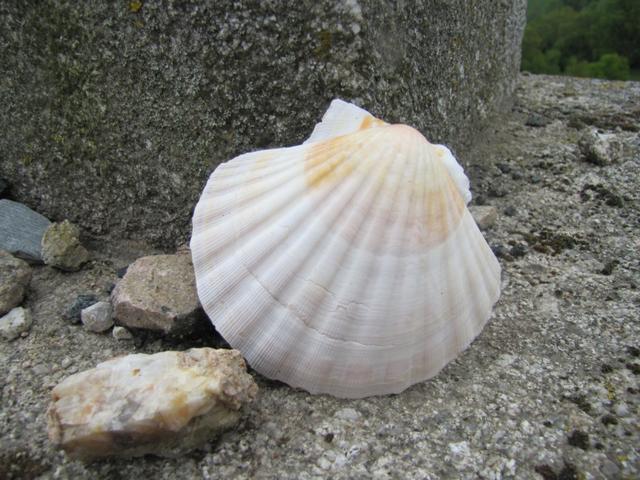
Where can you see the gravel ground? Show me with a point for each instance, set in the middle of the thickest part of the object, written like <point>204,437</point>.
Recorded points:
<point>549,390</point>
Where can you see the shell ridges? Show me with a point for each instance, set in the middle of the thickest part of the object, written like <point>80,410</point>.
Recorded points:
<point>346,265</point>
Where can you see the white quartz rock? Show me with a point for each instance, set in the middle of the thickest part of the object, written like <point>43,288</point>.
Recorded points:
<point>15,323</point>
<point>162,404</point>
<point>97,317</point>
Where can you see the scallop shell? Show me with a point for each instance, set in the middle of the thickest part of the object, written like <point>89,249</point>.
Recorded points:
<point>347,265</point>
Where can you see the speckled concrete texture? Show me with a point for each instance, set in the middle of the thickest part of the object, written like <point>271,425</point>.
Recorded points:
<point>130,107</point>
<point>549,390</point>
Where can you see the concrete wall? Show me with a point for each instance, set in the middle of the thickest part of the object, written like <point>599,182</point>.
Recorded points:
<point>113,116</point>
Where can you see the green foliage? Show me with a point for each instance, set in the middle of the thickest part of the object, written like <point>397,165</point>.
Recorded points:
<point>610,65</point>
<point>587,38</point>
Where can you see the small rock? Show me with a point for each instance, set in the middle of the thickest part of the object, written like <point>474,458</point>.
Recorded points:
<point>500,251</point>
<point>80,303</point>
<point>98,317</point>
<point>158,292</point>
<point>579,439</point>
<point>497,191</point>
<point>21,230</point>
<point>516,175</point>
<point>460,449</point>
<point>600,148</point>
<point>546,472</point>
<point>485,216</point>
<point>569,472</point>
<point>608,267</point>
<point>601,192</point>
<point>324,463</point>
<point>519,250</point>
<point>15,275</point>
<point>107,411</point>
<point>621,409</point>
<point>634,367</point>
<point>633,351</point>
<point>122,334</point>
<point>535,120</point>
<point>503,167</point>
<point>606,368</point>
<point>15,323</point>
<point>41,369</point>
<point>61,247</point>
<point>510,211</point>
<point>610,470</point>
<point>350,414</point>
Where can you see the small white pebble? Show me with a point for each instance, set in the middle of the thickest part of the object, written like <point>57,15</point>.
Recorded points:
<point>98,317</point>
<point>41,369</point>
<point>350,414</point>
<point>121,334</point>
<point>460,448</point>
<point>621,409</point>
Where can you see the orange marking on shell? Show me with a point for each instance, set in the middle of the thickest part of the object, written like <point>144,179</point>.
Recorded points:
<point>370,122</point>
<point>328,162</point>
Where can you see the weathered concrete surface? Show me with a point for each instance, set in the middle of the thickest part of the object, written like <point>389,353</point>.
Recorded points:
<point>130,108</point>
<point>551,384</point>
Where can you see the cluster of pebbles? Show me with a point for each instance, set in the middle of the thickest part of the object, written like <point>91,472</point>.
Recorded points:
<point>108,410</point>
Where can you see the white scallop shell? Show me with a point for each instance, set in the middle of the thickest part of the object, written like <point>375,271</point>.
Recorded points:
<point>347,265</point>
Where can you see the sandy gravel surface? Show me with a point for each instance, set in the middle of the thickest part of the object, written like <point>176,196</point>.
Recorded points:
<point>549,390</point>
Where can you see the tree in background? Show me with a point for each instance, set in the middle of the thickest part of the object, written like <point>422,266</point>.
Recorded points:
<point>587,38</point>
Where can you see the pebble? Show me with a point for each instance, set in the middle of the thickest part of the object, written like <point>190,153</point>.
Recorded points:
<point>158,292</point>
<point>15,323</point>
<point>503,167</point>
<point>599,148</point>
<point>519,250</point>
<point>15,275</point>
<point>610,470</point>
<point>107,411</point>
<point>460,449</point>
<point>324,463</point>
<point>61,247</point>
<point>350,414</point>
<point>516,175</point>
<point>500,251</point>
<point>621,409</point>
<point>80,303</point>
<point>579,439</point>
<point>41,369</point>
<point>121,334</point>
<point>485,216</point>
<point>536,120</point>
<point>21,230</point>
<point>98,317</point>
<point>497,191</point>
<point>510,211</point>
